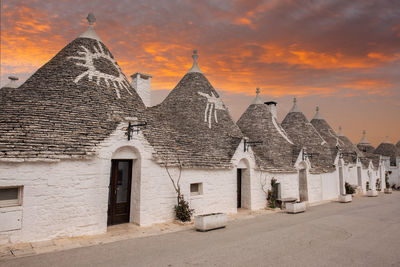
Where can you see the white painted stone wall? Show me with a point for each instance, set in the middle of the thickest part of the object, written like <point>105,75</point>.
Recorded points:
<point>394,176</point>
<point>70,197</point>
<point>314,187</point>
<point>330,185</point>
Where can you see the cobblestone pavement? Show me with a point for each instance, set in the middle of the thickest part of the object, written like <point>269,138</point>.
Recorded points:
<point>364,232</point>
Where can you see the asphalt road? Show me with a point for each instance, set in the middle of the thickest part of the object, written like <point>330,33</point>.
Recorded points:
<point>365,232</point>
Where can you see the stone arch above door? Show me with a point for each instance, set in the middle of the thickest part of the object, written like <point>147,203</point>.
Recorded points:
<point>126,152</point>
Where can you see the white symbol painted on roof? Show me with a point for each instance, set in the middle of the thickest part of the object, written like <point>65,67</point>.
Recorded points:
<point>213,104</point>
<point>117,82</point>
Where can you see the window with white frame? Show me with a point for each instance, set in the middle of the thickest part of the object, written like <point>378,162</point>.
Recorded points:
<point>196,189</point>
<point>11,196</point>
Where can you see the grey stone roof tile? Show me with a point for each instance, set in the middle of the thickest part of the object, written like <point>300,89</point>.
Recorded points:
<point>303,134</point>
<point>53,115</point>
<point>275,152</point>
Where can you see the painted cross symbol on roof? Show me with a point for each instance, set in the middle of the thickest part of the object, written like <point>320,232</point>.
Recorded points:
<point>213,103</point>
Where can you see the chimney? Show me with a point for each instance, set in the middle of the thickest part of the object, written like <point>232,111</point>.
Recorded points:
<point>12,83</point>
<point>142,84</point>
<point>272,108</point>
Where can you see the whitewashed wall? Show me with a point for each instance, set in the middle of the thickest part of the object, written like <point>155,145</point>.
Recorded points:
<point>69,197</point>
<point>330,185</point>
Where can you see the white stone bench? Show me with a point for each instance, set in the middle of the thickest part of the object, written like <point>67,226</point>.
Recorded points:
<point>210,221</point>
<point>372,193</point>
<point>345,198</point>
<point>295,207</point>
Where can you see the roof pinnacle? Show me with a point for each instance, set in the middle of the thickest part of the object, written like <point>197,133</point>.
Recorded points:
<point>91,18</point>
<point>195,67</point>
<point>387,140</point>
<point>90,33</point>
<point>340,131</point>
<point>257,100</point>
<point>317,116</point>
<point>294,108</point>
<point>364,138</point>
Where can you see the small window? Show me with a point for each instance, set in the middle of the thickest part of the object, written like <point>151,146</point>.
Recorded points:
<point>196,189</point>
<point>10,196</point>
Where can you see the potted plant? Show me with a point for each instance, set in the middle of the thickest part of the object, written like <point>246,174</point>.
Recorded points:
<point>348,196</point>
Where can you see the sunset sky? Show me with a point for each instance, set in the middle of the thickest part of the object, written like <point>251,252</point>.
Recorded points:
<point>341,55</point>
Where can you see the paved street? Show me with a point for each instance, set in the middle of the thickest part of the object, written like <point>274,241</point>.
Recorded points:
<point>365,232</point>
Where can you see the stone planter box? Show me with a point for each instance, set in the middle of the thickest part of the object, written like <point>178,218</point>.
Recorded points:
<point>295,207</point>
<point>345,198</point>
<point>210,221</point>
<point>372,193</point>
<point>388,190</point>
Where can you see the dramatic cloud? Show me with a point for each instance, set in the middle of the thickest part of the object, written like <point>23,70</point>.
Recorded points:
<point>345,54</point>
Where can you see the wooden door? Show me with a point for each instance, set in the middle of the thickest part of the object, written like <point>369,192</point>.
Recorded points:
<point>303,191</point>
<point>119,198</point>
<point>359,176</point>
<point>239,188</point>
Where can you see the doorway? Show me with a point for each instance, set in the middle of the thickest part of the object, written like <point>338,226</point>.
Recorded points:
<point>119,197</point>
<point>303,191</point>
<point>239,188</point>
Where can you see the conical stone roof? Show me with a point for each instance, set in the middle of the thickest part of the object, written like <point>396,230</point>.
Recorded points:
<point>303,134</point>
<point>389,150</point>
<point>398,147</point>
<point>326,132</point>
<point>277,152</point>
<point>68,106</point>
<point>349,150</point>
<point>364,145</point>
<point>200,130</point>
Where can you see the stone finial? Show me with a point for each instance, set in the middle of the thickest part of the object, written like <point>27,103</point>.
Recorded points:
<point>340,131</point>
<point>91,18</point>
<point>195,67</point>
<point>90,33</point>
<point>386,139</point>
<point>294,108</point>
<point>257,100</point>
<point>364,138</point>
<point>317,115</point>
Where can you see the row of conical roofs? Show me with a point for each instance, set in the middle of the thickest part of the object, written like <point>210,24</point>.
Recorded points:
<point>77,99</point>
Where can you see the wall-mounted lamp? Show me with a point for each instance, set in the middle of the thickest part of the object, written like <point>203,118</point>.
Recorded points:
<point>135,128</point>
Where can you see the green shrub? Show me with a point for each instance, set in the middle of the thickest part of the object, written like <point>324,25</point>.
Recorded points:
<point>271,195</point>
<point>182,211</point>
<point>349,189</point>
